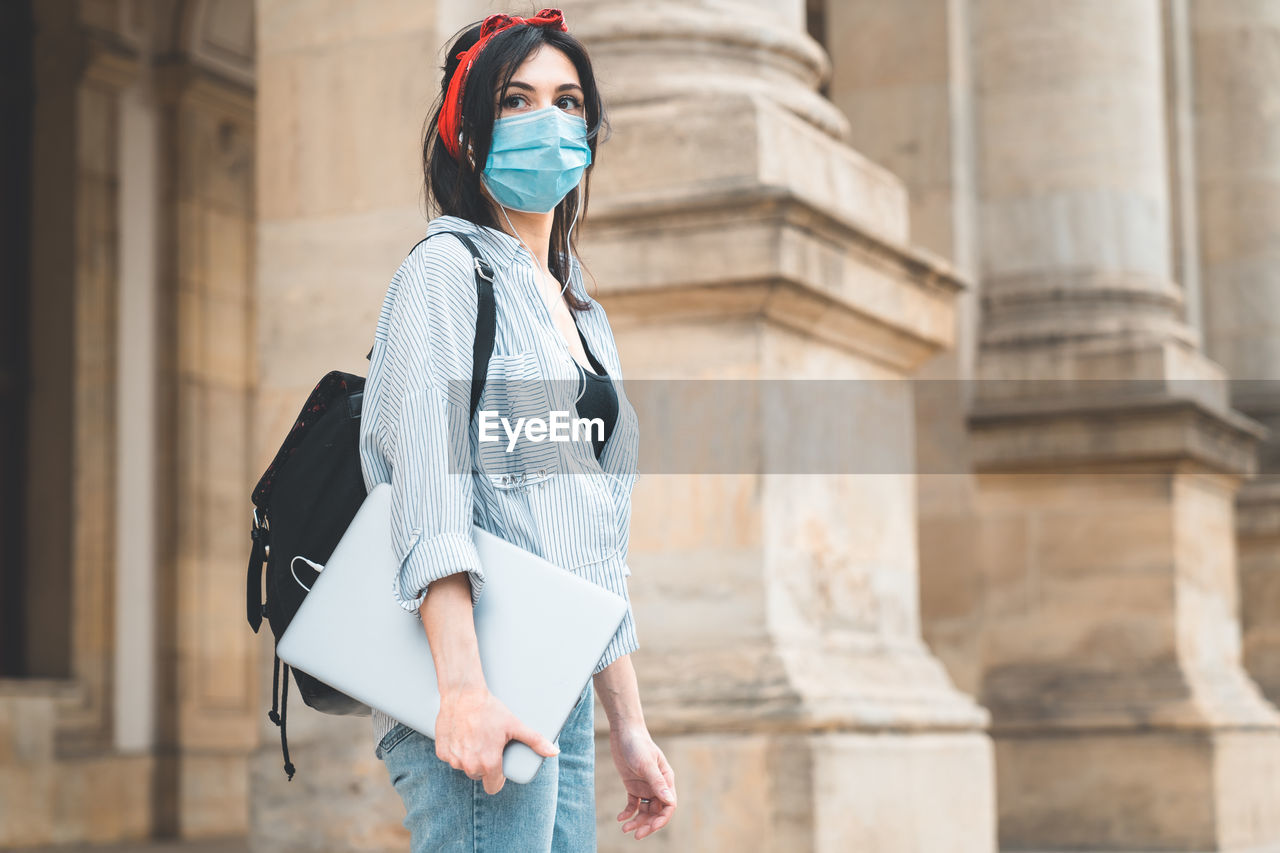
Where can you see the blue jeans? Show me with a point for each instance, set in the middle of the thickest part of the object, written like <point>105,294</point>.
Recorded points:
<point>555,812</point>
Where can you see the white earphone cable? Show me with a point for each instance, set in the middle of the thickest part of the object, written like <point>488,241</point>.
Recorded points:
<point>582,379</point>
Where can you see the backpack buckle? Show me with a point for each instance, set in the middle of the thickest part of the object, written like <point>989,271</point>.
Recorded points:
<point>482,269</point>
<point>261,532</point>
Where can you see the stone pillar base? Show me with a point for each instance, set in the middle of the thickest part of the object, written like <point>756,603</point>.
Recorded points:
<point>821,791</point>
<point>1258,528</point>
<point>1207,790</point>
<point>781,668</point>
<point>50,797</point>
<point>340,797</point>
<point>1122,716</point>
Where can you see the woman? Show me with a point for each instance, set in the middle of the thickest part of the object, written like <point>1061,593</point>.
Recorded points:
<point>507,158</point>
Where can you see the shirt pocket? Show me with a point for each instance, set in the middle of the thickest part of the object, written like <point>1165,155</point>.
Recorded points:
<point>514,449</point>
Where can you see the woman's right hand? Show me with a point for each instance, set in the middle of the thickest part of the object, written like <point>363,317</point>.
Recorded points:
<point>473,728</point>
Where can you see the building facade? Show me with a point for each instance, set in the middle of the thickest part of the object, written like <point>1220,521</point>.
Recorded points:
<point>1057,628</point>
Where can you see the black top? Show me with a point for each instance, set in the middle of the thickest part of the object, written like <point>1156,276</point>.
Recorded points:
<point>599,398</point>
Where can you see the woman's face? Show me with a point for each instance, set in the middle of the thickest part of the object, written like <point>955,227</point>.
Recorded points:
<point>545,78</point>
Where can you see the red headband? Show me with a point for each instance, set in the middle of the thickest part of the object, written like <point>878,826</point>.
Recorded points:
<point>451,111</point>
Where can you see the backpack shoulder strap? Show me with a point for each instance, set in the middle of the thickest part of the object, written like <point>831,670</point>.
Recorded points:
<point>486,317</point>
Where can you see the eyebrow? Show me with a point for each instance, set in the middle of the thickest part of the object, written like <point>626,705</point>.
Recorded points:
<point>563,87</point>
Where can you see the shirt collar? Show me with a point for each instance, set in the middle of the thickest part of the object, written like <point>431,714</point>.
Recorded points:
<point>500,248</point>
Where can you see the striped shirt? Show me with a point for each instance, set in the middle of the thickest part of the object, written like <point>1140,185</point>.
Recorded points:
<point>553,498</point>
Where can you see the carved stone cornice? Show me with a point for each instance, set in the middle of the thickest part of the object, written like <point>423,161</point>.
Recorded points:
<point>653,51</point>
<point>1118,431</point>
<point>824,250</point>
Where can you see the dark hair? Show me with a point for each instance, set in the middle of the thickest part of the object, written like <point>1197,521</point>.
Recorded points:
<point>453,186</point>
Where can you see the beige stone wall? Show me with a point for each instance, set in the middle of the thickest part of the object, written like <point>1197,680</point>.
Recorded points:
<point>342,95</point>
<point>1237,161</point>
<point>1048,642</point>
<point>1112,627</point>
<point>784,263</point>
<point>71,769</point>
<point>908,94</point>
<point>212,694</point>
<point>1091,122</point>
<point>56,754</point>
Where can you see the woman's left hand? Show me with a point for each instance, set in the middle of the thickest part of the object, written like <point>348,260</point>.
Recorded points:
<point>645,774</point>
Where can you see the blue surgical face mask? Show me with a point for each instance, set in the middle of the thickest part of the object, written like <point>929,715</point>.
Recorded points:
<point>536,158</point>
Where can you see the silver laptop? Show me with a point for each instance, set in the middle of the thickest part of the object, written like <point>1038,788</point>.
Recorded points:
<point>540,629</point>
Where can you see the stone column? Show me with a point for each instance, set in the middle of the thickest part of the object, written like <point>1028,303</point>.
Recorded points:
<point>62,778</point>
<point>209,698</point>
<point>901,75</point>
<point>785,677</point>
<point>1236,46</point>
<point>1106,477</point>
<point>343,91</point>
<point>733,233</point>
<point>1074,212</point>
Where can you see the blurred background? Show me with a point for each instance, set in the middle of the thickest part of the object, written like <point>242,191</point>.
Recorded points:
<point>1058,630</point>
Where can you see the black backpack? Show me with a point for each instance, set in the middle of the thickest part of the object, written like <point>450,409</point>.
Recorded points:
<point>307,497</point>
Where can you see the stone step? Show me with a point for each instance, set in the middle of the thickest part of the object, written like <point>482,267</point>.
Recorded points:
<point>233,845</point>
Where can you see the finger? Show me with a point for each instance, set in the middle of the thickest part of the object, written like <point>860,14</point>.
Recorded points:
<point>648,827</point>
<point>667,771</point>
<point>632,807</point>
<point>645,830</point>
<point>643,825</point>
<point>641,818</point>
<point>660,777</point>
<point>536,740</point>
<point>637,819</point>
<point>659,784</point>
<point>653,820</point>
<point>671,785</point>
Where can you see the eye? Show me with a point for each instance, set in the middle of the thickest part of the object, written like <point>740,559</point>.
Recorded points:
<point>512,102</point>
<point>568,102</point>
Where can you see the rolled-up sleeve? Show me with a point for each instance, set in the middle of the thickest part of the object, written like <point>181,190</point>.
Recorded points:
<point>624,640</point>
<point>429,360</point>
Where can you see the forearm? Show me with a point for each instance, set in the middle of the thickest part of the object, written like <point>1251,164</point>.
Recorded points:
<point>620,694</point>
<point>449,621</point>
